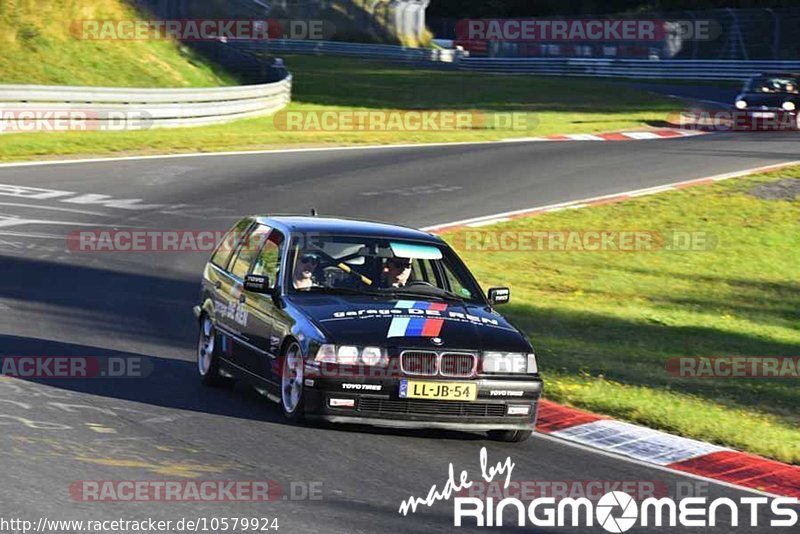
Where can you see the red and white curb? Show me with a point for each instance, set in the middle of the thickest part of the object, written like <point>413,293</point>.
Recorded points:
<point>662,133</point>
<point>496,218</point>
<point>641,444</point>
<point>668,451</point>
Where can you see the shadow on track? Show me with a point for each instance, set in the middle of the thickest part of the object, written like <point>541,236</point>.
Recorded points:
<point>174,384</point>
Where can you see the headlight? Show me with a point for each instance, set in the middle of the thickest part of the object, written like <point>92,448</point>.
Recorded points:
<point>788,106</point>
<point>351,355</point>
<point>505,362</point>
<point>326,354</point>
<point>347,354</point>
<point>741,104</point>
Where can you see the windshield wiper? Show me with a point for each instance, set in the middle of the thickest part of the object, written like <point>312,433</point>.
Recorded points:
<point>341,290</point>
<point>436,293</point>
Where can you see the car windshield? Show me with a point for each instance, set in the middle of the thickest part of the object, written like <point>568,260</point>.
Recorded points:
<point>379,266</point>
<point>772,84</point>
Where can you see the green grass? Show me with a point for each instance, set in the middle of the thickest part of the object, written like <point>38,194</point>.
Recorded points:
<point>605,323</point>
<point>38,48</point>
<point>555,106</point>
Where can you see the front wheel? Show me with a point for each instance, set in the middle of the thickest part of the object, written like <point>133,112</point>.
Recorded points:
<point>207,359</point>
<point>510,436</point>
<point>292,401</point>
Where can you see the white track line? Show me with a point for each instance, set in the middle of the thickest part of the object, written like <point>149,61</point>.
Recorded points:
<point>54,208</point>
<point>488,222</point>
<point>263,152</point>
<point>575,204</point>
<point>581,137</point>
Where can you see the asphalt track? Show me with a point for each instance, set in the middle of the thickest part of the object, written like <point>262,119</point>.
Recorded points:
<point>166,426</point>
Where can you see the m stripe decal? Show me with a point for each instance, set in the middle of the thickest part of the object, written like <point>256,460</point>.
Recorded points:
<point>398,326</point>
<point>432,327</point>
<point>415,327</point>
<point>417,305</point>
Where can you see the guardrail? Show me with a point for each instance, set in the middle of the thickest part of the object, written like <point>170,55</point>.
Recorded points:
<point>458,59</point>
<point>132,109</point>
<point>628,68</point>
<point>404,54</point>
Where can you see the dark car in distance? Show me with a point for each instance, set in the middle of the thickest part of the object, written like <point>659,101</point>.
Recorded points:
<point>362,322</point>
<point>771,100</point>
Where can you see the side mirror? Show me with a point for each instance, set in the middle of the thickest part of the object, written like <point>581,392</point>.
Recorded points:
<point>257,283</point>
<point>499,295</point>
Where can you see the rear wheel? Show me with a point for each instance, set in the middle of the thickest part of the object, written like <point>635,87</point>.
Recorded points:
<point>510,436</point>
<point>292,401</point>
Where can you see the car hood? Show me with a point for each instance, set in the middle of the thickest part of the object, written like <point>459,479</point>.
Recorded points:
<point>770,100</point>
<point>376,321</point>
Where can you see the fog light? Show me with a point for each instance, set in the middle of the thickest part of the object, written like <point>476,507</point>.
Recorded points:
<point>741,104</point>
<point>788,106</point>
<point>533,368</point>
<point>373,356</point>
<point>519,409</point>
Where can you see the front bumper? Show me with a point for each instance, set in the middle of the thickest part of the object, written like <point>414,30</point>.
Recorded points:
<point>771,119</point>
<point>501,403</point>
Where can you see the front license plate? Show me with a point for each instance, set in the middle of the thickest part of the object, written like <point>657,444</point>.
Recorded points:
<point>455,391</point>
<point>763,114</point>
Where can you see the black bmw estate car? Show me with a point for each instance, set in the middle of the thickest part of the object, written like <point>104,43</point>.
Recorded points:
<point>361,322</point>
<point>772,98</point>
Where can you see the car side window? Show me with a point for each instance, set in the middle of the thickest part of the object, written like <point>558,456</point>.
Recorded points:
<point>455,285</point>
<point>225,248</point>
<point>268,262</point>
<point>247,251</point>
<point>420,271</point>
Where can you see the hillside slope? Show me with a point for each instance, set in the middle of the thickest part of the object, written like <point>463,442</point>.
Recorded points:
<point>38,47</point>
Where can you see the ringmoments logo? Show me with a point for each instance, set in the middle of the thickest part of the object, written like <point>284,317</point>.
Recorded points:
<point>615,511</point>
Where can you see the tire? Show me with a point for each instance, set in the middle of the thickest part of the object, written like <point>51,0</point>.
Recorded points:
<point>510,436</point>
<point>207,357</point>
<point>292,398</point>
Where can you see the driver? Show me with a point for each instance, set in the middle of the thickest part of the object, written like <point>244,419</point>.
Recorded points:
<point>396,272</point>
<point>303,275</point>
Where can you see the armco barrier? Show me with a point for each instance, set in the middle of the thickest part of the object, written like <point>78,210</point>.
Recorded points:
<point>145,108</point>
<point>628,68</point>
<point>619,68</point>
<point>403,54</point>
